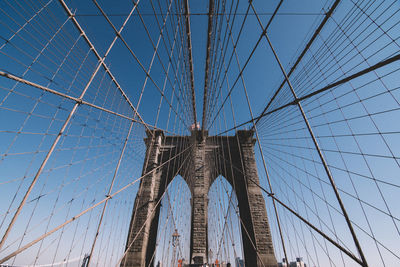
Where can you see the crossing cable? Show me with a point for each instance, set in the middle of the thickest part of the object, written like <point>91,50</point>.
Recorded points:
<point>54,43</point>
<point>301,196</point>
<point>41,33</point>
<point>166,183</point>
<point>256,132</point>
<point>77,100</point>
<point>218,156</point>
<point>336,39</point>
<point>101,61</point>
<point>170,56</point>
<point>164,227</point>
<point>341,38</point>
<point>27,22</point>
<point>60,208</point>
<point>64,184</point>
<point>231,165</point>
<point>109,191</point>
<point>74,197</point>
<point>328,173</point>
<point>347,93</point>
<point>35,60</point>
<point>329,204</point>
<point>161,28</point>
<point>116,204</point>
<point>135,211</point>
<point>128,134</point>
<point>229,62</point>
<point>327,183</point>
<point>247,60</point>
<point>308,218</point>
<point>228,85</point>
<point>307,47</point>
<point>148,76</point>
<point>189,44</point>
<point>170,214</point>
<point>250,239</point>
<point>347,252</point>
<point>309,187</point>
<point>223,51</point>
<point>179,26</point>
<point>184,61</point>
<point>208,58</point>
<point>185,97</point>
<point>243,226</point>
<point>184,84</point>
<point>23,124</point>
<point>296,235</point>
<point>364,107</point>
<point>350,178</point>
<point>322,199</point>
<point>128,247</point>
<point>225,226</point>
<point>106,68</point>
<point>122,152</point>
<point>218,58</point>
<point>376,66</point>
<point>230,202</point>
<point>360,148</point>
<point>87,210</point>
<point>176,71</point>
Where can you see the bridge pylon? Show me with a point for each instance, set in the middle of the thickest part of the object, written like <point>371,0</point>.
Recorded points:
<point>207,158</point>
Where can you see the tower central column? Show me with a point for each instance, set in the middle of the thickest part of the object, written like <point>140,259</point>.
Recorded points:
<point>200,185</point>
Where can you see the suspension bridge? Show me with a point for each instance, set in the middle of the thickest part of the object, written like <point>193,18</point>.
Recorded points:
<point>184,133</point>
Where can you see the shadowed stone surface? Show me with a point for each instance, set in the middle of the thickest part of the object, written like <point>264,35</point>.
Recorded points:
<point>206,157</point>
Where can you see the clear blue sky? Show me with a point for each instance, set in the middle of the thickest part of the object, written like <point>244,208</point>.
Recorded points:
<point>356,124</point>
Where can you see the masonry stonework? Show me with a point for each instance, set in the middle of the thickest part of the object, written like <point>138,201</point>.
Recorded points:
<point>206,158</point>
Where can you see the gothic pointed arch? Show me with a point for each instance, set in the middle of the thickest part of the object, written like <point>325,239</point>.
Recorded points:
<point>200,159</point>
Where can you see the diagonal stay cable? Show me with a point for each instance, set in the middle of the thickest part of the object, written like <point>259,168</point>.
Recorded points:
<point>333,242</point>
<point>148,76</point>
<point>322,158</point>
<point>208,58</point>
<point>189,44</point>
<point>77,100</point>
<point>110,190</point>
<point>57,139</point>
<point>106,68</point>
<point>128,247</point>
<point>246,62</point>
<point>310,42</point>
<point>378,65</point>
<point>87,210</point>
<point>258,139</point>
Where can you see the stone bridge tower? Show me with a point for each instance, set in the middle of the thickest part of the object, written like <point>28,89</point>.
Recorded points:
<point>208,157</point>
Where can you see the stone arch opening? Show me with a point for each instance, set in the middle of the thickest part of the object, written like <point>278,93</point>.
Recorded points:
<point>175,215</point>
<point>224,230</point>
<point>198,158</point>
